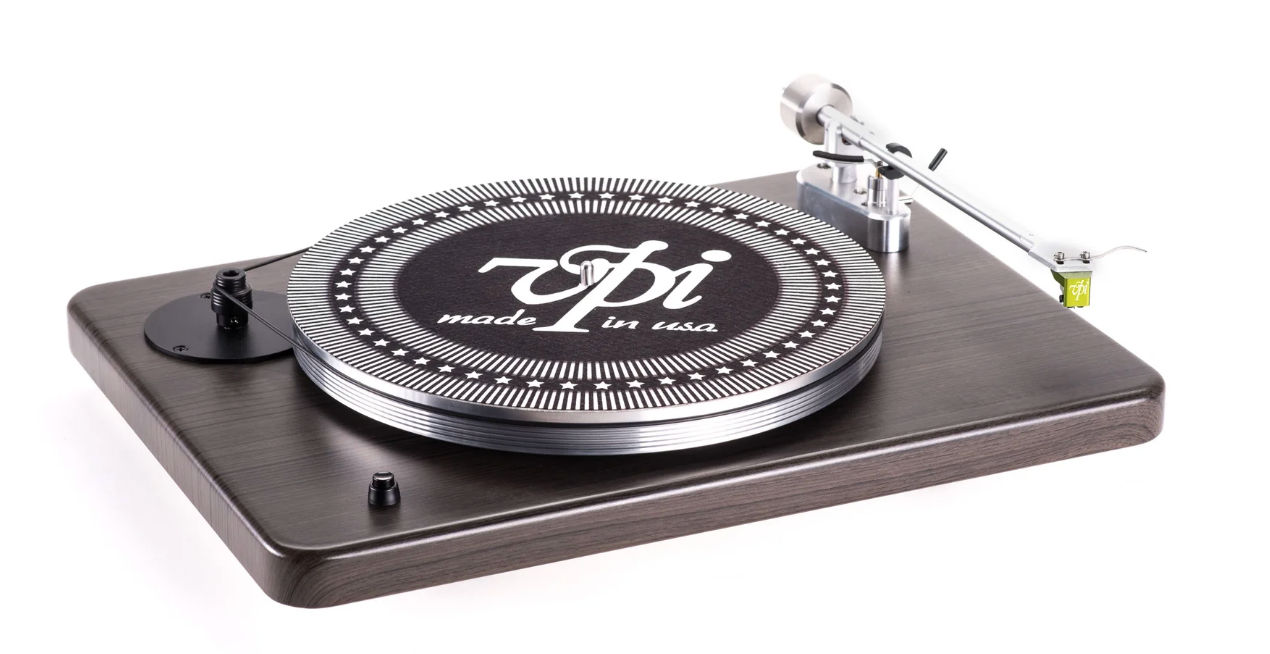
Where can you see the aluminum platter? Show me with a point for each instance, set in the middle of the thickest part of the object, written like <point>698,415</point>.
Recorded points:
<point>587,316</point>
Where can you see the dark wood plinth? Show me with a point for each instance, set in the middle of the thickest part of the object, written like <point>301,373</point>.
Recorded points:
<point>980,372</point>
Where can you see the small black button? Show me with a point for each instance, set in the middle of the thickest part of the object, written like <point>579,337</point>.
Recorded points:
<point>383,490</point>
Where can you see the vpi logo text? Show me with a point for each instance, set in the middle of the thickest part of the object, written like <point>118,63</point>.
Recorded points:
<point>674,287</point>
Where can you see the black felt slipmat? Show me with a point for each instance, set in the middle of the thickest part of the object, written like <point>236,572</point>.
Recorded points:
<point>444,280</point>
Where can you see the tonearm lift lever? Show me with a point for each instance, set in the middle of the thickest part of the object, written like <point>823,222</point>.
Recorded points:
<point>869,207</point>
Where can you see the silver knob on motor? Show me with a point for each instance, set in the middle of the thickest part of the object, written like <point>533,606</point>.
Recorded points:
<point>802,101</point>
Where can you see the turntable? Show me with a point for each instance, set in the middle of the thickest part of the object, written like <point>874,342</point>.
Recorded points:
<point>514,373</point>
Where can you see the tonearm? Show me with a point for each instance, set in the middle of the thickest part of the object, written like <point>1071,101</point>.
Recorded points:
<point>855,187</point>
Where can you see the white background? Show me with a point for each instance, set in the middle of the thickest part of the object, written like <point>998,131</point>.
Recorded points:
<point>141,139</point>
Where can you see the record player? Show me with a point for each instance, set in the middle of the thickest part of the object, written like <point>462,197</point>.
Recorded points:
<point>513,373</point>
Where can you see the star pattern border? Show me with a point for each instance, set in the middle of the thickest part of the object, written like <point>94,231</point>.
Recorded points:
<point>341,286</point>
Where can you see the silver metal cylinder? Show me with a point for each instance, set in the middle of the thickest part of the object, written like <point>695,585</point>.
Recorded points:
<point>884,194</point>
<point>802,101</point>
<point>843,174</point>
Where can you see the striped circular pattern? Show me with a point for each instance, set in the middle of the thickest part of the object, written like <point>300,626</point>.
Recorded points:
<point>343,298</point>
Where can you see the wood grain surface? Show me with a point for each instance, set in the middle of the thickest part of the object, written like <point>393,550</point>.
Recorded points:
<point>980,372</point>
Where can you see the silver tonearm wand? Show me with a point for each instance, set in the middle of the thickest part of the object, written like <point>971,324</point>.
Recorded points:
<point>868,206</point>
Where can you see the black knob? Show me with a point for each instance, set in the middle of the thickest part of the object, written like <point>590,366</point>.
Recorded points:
<point>231,281</point>
<point>383,490</point>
